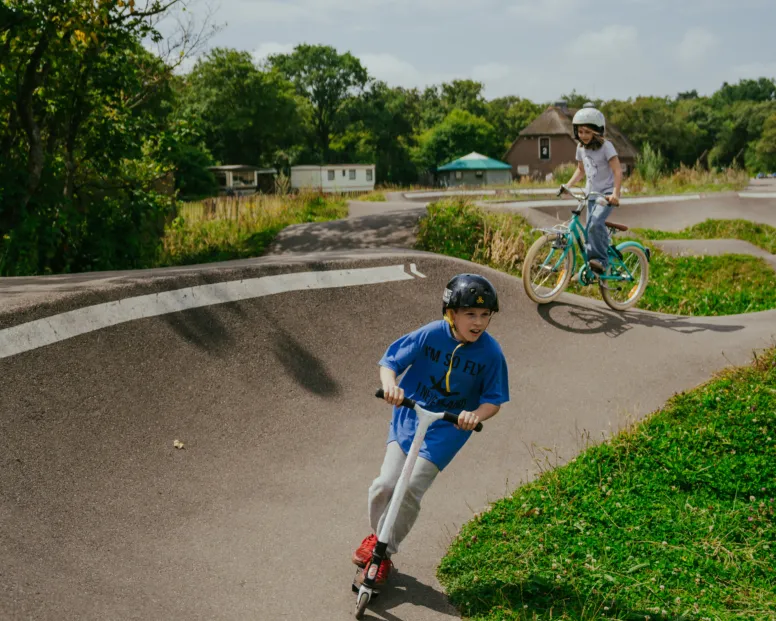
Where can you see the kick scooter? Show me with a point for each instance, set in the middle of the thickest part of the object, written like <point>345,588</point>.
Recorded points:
<point>368,589</point>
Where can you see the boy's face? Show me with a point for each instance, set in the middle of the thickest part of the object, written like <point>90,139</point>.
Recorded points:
<point>585,134</point>
<point>470,323</point>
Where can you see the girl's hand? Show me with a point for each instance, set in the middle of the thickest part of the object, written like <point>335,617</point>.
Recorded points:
<point>613,199</point>
<point>393,394</point>
<point>467,421</point>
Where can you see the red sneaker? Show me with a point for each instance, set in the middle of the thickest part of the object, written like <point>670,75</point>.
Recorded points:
<point>382,573</point>
<point>364,552</point>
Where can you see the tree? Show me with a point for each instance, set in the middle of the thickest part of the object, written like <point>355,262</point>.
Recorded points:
<point>766,146</point>
<point>246,115</point>
<point>459,134</point>
<point>510,115</point>
<point>327,79</point>
<point>464,95</point>
<point>379,128</point>
<point>739,133</point>
<point>762,89</point>
<point>80,98</point>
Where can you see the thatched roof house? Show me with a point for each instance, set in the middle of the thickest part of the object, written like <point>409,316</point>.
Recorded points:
<point>549,142</point>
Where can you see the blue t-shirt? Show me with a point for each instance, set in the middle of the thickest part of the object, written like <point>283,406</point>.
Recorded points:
<point>479,376</point>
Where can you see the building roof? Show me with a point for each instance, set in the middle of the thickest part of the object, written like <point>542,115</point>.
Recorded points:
<point>556,120</point>
<point>474,161</point>
<point>337,166</point>
<point>241,168</point>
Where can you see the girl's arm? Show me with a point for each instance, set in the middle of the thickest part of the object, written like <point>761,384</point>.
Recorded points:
<point>579,173</point>
<point>616,167</point>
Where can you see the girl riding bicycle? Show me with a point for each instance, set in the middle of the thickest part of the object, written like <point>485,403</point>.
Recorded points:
<point>597,161</point>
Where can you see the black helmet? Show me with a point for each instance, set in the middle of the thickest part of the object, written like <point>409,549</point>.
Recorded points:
<point>470,291</point>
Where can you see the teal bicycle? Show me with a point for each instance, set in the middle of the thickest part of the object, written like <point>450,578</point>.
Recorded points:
<point>552,259</point>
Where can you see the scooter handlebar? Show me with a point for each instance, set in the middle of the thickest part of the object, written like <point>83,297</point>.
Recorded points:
<point>410,403</point>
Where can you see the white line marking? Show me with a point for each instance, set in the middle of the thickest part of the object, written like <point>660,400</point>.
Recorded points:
<point>757,194</point>
<point>42,332</point>
<point>414,270</point>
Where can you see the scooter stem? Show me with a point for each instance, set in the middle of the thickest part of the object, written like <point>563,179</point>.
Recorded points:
<point>424,420</point>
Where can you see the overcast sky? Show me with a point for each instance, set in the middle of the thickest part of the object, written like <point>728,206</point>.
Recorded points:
<point>537,49</point>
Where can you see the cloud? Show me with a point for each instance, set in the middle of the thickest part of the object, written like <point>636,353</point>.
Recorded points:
<point>397,72</point>
<point>755,70</point>
<point>545,10</point>
<point>490,72</point>
<point>613,46</point>
<point>265,50</point>
<point>696,46</point>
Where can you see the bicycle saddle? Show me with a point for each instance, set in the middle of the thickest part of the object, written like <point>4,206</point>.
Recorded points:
<point>614,225</point>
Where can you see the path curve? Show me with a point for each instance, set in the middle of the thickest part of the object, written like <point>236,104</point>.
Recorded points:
<point>268,379</point>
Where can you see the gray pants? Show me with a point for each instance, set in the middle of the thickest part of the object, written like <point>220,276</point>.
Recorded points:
<point>382,489</point>
<point>597,246</point>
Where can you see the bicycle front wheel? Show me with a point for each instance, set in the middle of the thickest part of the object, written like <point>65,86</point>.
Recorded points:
<point>547,268</point>
<point>631,274</point>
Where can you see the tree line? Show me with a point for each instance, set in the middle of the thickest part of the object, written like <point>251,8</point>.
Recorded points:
<point>95,128</point>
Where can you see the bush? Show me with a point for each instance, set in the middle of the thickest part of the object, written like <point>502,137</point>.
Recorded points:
<point>453,227</point>
<point>563,172</point>
<point>650,164</point>
<point>104,228</point>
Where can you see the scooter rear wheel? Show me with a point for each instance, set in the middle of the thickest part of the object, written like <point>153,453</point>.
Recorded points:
<point>363,600</point>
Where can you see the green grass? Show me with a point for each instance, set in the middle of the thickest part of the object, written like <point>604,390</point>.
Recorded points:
<point>671,519</point>
<point>761,235</point>
<point>373,197</point>
<point>241,232</point>
<point>697,286</point>
<point>702,286</point>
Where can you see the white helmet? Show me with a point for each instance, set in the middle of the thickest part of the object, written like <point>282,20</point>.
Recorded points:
<point>591,117</point>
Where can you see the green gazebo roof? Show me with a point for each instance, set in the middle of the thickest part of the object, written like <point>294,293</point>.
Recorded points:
<point>474,161</point>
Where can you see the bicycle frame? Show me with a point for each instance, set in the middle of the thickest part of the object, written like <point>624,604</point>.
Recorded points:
<point>573,232</point>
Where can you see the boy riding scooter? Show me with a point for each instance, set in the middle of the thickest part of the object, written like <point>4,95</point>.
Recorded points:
<point>452,365</point>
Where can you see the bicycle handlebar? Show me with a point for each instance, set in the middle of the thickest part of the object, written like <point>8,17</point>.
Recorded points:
<point>410,403</point>
<point>565,188</point>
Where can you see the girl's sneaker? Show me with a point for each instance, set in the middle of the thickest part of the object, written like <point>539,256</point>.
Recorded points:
<point>364,552</point>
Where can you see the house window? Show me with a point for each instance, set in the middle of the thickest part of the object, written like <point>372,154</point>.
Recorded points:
<point>343,172</point>
<point>369,174</point>
<point>331,175</point>
<point>352,175</point>
<point>544,148</point>
<point>478,173</point>
<point>458,174</point>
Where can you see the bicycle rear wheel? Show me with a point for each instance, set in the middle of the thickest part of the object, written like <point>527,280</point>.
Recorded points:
<point>547,270</point>
<point>632,272</point>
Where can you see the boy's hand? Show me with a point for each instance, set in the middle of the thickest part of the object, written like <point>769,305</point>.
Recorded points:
<point>467,421</point>
<point>614,199</point>
<point>393,394</point>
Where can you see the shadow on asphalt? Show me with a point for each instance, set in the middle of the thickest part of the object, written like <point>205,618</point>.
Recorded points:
<point>202,328</point>
<point>304,368</point>
<point>393,229</point>
<point>405,589</point>
<point>585,320</point>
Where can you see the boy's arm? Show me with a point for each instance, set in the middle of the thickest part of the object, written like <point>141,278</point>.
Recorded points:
<point>468,420</point>
<point>614,162</point>
<point>394,394</point>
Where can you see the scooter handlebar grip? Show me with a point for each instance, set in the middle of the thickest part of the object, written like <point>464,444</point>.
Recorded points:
<point>410,403</point>
<point>407,403</point>
<point>453,418</point>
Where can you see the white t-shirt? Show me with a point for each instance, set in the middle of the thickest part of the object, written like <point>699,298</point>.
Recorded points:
<point>598,173</point>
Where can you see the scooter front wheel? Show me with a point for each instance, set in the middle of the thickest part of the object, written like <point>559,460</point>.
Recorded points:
<point>363,600</point>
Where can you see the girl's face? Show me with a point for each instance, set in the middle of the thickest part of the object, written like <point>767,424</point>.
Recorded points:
<point>585,134</point>
<point>470,323</point>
